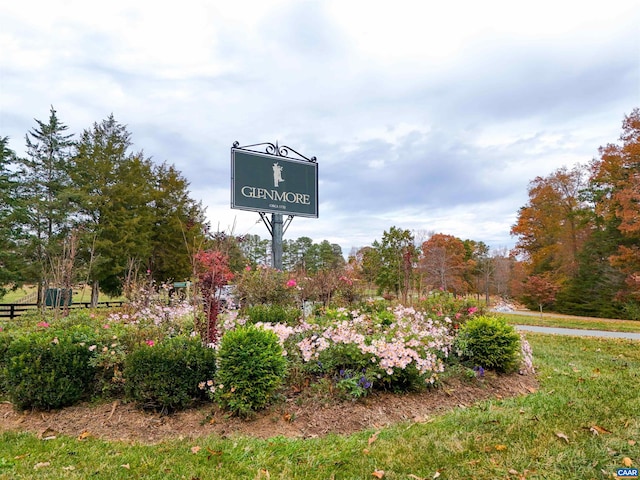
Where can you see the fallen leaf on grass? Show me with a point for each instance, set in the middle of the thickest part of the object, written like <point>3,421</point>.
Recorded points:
<point>500,448</point>
<point>213,453</point>
<point>373,438</point>
<point>562,436</point>
<point>436,475</point>
<point>127,466</point>
<point>596,430</point>
<point>39,465</point>
<point>378,473</point>
<point>627,462</point>
<point>195,449</point>
<point>84,435</point>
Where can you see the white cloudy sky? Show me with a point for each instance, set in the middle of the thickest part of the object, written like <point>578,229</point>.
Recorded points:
<point>427,116</point>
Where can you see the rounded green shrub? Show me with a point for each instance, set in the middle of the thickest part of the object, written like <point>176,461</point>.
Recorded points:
<point>251,368</point>
<point>5,341</point>
<point>45,372</point>
<point>489,342</point>
<point>165,376</point>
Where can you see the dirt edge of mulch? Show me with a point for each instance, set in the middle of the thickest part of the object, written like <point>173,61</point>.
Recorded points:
<point>299,416</point>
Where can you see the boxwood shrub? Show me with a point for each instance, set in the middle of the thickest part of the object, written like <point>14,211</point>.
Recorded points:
<point>5,341</point>
<point>47,372</point>
<point>251,369</point>
<point>165,376</point>
<point>490,343</point>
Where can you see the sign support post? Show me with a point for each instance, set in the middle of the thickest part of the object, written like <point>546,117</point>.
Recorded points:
<point>252,189</point>
<point>276,240</point>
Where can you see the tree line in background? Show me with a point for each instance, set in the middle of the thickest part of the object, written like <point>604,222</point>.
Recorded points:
<point>579,234</point>
<point>93,211</point>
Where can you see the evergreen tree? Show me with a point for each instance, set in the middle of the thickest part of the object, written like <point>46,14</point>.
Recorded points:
<point>44,180</point>
<point>178,227</point>
<point>255,250</point>
<point>138,217</point>
<point>615,190</point>
<point>593,290</point>
<point>10,212</point>
<point>113,191</point>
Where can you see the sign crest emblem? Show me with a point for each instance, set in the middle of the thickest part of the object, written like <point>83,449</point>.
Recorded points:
<point>277,175</point>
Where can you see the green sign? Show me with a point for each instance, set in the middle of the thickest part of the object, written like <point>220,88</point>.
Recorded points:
<point>269,183</point>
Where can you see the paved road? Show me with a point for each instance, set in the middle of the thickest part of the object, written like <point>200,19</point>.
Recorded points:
<point>578,332</point>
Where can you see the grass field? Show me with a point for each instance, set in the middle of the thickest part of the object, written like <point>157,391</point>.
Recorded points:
<point>568,321</point>
<point>79,295</point>
<point>582,423</point>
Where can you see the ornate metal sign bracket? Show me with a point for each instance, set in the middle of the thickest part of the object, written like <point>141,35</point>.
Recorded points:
<point>269,224</point>
<point>276,150</point>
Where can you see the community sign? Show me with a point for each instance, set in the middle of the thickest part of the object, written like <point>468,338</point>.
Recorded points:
<point>263,182</point>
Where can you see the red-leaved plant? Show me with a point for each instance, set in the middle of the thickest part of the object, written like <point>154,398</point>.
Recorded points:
<point>212,272</point>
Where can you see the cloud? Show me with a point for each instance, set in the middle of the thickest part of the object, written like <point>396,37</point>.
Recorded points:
<point>430,117</point>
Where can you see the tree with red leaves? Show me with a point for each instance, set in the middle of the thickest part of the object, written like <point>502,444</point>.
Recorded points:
<point>541,290</point>
<point>212,273</point>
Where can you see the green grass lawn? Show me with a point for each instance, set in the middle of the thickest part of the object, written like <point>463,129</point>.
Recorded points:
<point>582,423</point>
<point>567,321</point>
<point>79,295</point>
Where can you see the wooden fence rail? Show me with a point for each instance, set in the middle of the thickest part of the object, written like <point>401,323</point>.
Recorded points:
<point>13,310</point>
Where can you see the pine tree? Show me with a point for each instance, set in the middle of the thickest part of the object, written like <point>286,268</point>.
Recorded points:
<point>10,213</point>
<point>44,180</point>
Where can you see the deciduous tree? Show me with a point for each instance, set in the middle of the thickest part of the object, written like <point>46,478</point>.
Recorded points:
<point>615,186</point>
<point>443,260</point>
<point>540,290</point>
<point>394,258</point>
<point>552,227</point>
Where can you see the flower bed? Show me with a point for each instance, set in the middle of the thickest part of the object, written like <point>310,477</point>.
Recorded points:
<point>350,351</point>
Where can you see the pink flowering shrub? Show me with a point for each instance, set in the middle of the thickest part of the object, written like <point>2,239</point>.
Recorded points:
<point>398,349</point>
<point>440,304</point>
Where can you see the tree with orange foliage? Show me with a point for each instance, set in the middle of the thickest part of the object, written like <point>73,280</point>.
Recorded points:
<point>616,188</point>
<point>540,291</point>
<point>443,261</point>
<point>552,227</point>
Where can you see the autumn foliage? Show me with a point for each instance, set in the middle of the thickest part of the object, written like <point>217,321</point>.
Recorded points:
<point>580,231</point>
<point>212,272</point>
